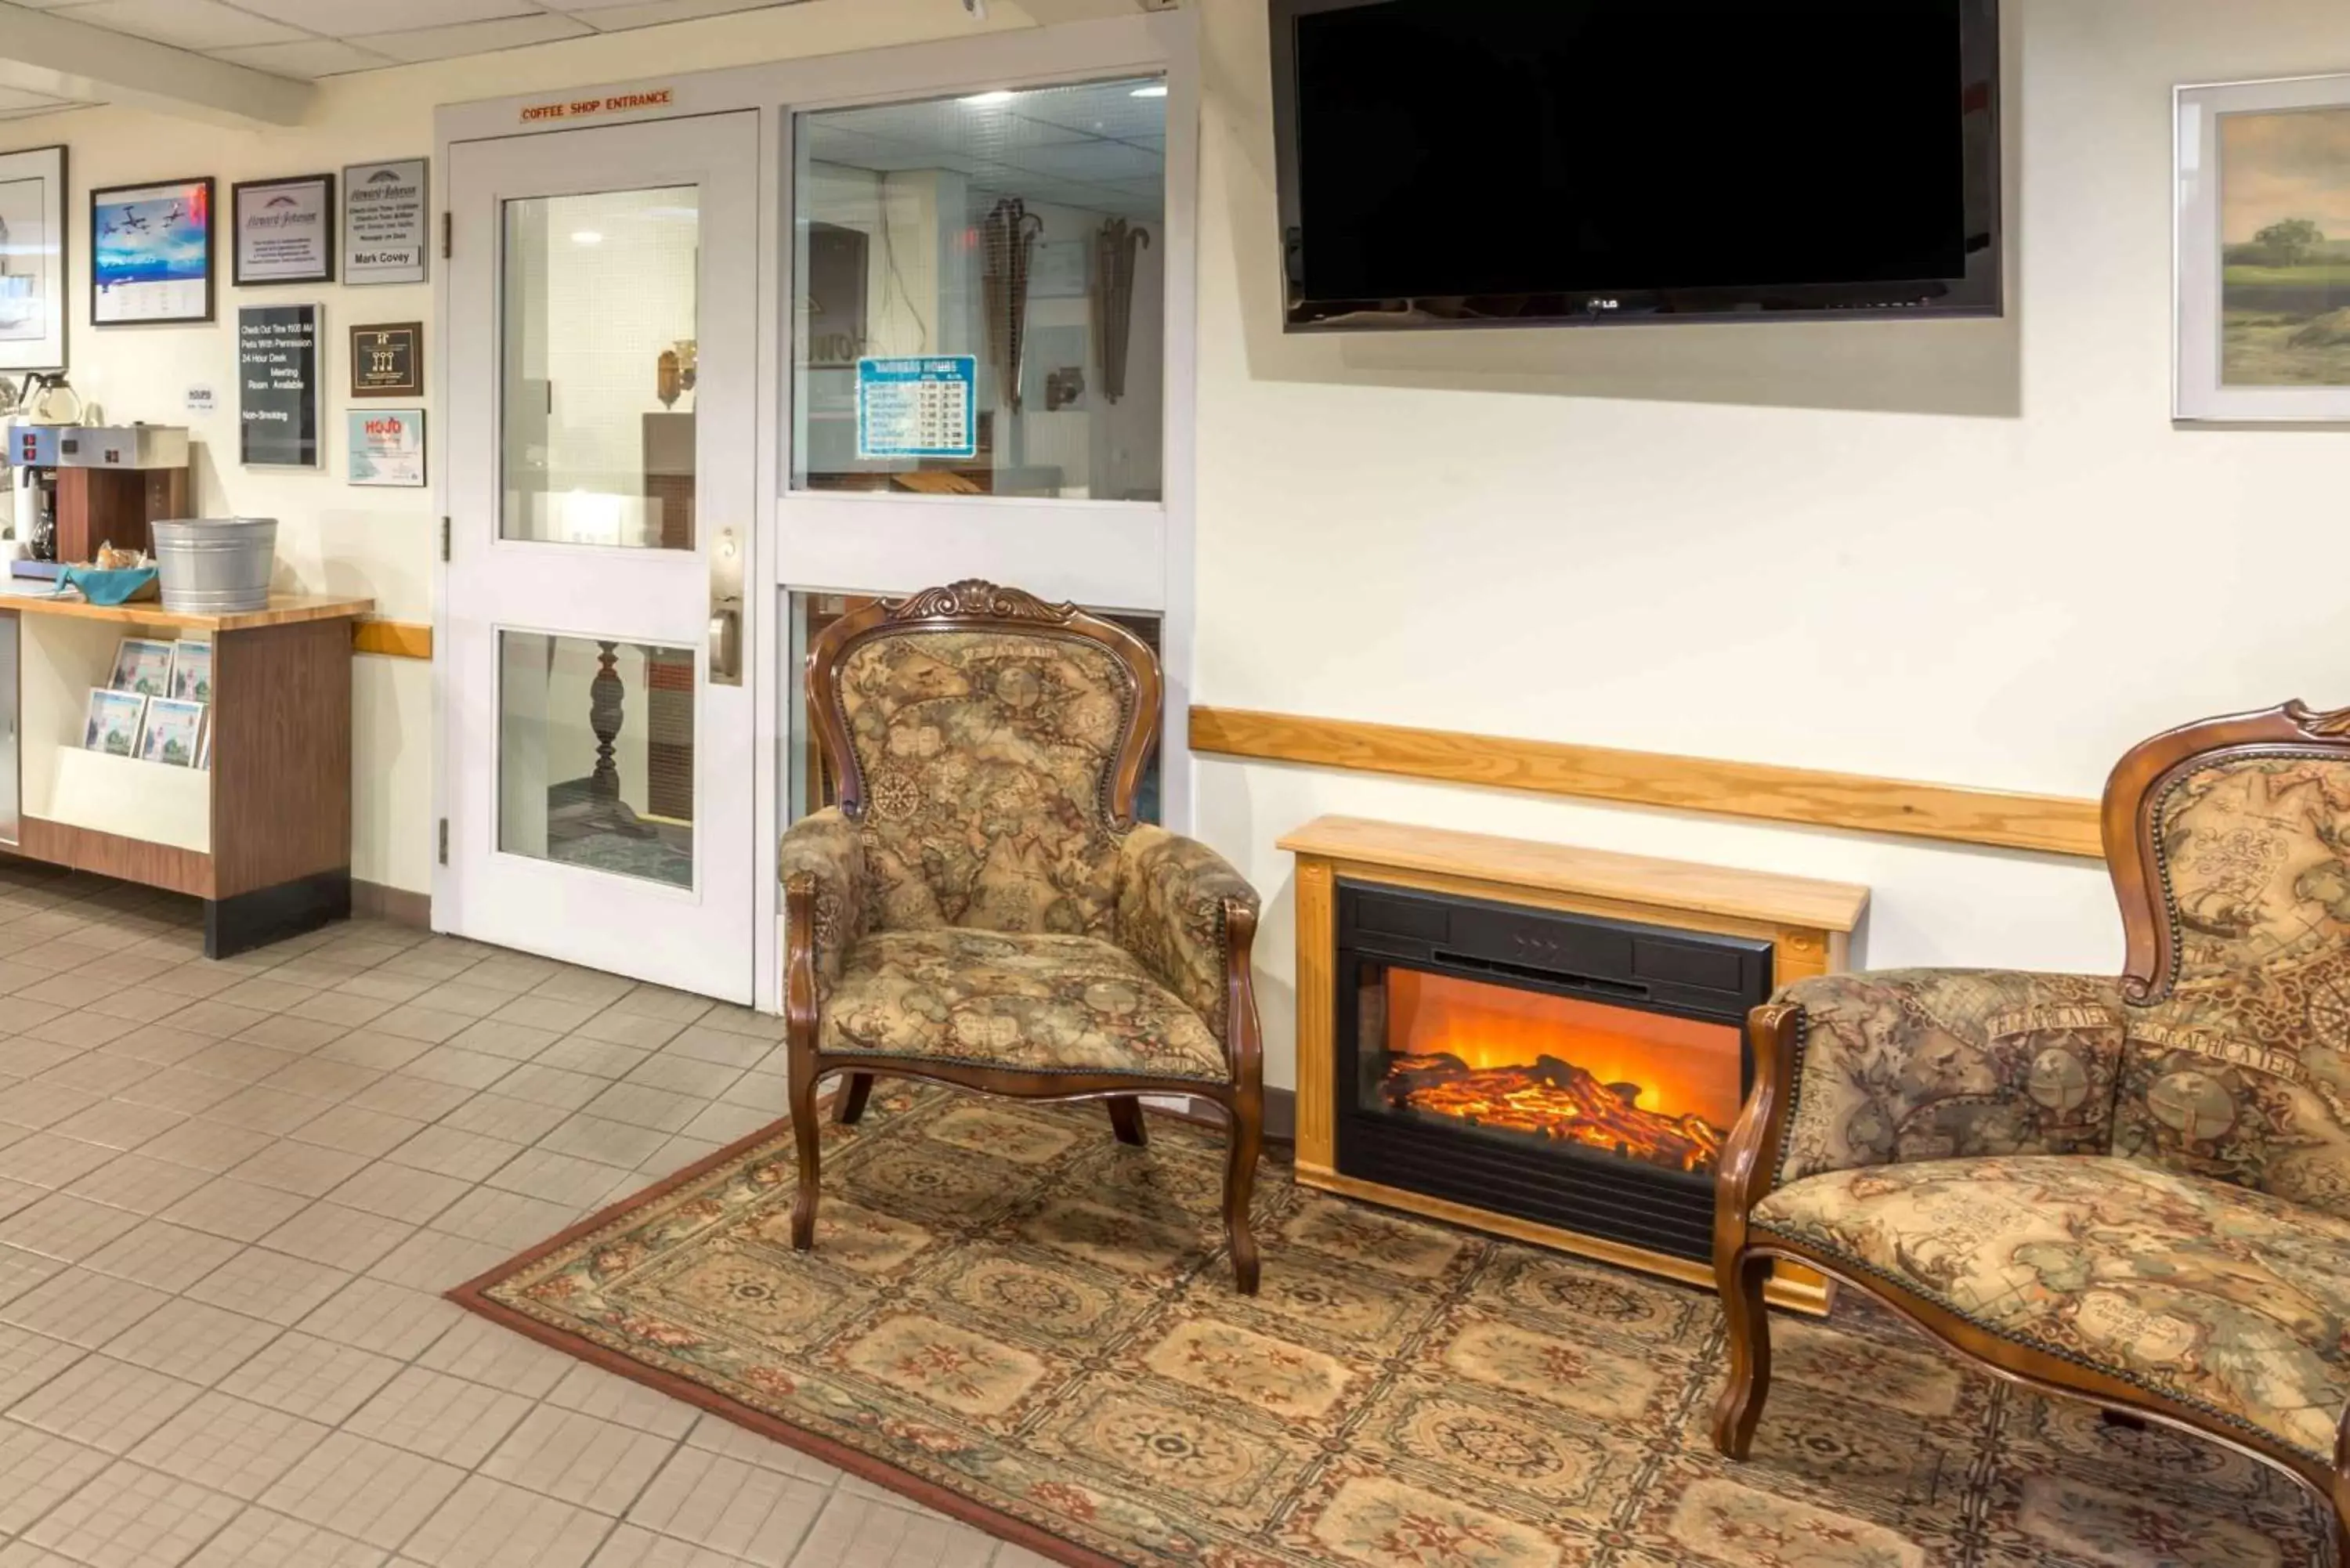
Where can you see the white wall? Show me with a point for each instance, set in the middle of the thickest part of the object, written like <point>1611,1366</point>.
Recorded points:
<point>1973,552</point>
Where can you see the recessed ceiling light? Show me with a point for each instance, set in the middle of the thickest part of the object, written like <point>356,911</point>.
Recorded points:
<point>586,237</point>
<point>1156,90</point>
<point>980,100</point>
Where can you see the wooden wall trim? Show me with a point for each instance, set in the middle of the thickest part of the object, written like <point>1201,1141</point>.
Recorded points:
<point>392,638</point>
<point>2054,825</point>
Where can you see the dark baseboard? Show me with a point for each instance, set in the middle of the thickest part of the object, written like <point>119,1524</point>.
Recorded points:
<point>378,901</point>
<point>243,921</point>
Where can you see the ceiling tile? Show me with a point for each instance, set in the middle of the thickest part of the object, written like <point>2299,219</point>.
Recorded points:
<point>351,18</point>
<point>183,24</point>
<point>309,58</point>
<point>1091,160</point>
<point>475,37</point>
<point>617,16</point>
<point>14,101</point>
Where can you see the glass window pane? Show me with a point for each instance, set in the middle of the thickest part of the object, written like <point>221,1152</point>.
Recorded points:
<point>596,754</point>
<point>981,299</point>
<point>598,367</point>
<point>810,784</point>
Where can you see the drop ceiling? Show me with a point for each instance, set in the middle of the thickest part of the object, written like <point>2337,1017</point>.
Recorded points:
<point>305,39</point>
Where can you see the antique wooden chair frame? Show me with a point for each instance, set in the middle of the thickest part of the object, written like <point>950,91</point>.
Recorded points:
<point>1743,1259</point>
<point>980,607</point>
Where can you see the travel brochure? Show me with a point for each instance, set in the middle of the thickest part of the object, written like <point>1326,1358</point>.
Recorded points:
<point>153,706</point>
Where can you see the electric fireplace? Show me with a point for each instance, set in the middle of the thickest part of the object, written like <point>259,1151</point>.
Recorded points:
<point>1576,1072</point>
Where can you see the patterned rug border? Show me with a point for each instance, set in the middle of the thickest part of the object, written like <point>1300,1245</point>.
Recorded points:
<point>474,1296</point>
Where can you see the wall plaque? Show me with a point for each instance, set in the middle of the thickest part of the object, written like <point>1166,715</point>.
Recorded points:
<point>386,227</point>
<point>285,230</point>
<point>388,360</point>
<point>277,385</point>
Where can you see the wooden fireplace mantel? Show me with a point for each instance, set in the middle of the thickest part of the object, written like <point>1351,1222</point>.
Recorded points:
<point>1808,923</point>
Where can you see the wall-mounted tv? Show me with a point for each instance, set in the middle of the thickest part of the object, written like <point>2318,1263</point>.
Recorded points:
<point>1513,163</point>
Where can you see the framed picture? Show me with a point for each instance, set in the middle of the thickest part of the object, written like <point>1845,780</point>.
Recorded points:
<point>169,731</point>
<point>114,721</point>
<point>33,259</point>
<point>142,665</point>
<point>285,230</point>
<point>2262,269</point>
<point>151,253</point>
<point>387,227</point>
<point>386,446</point>
<point>280,389</point>
<point>388,360</point>
<point>191,670</point>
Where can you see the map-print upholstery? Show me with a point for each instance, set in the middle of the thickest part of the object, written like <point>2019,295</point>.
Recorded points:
<point>986,757</point>
<point>823,853</point>
<point>1026,1002</point>
<point>2242,1073</point>
<point>1171,893</point>
<point>2223,1299</point>
<point>1906,1064</point>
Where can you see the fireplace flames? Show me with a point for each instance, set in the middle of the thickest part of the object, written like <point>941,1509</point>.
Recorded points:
<point>1662,1091</point>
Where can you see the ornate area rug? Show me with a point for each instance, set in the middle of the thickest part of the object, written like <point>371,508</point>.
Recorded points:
<point>1013,1318</point>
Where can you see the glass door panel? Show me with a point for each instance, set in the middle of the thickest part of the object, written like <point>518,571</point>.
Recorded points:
<point>981,303</point>
<point>598,367</point>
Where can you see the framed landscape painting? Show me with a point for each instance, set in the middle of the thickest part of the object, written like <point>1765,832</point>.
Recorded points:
<point>2264,250</point>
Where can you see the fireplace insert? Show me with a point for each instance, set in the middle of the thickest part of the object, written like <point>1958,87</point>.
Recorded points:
<point>1576,1072</point>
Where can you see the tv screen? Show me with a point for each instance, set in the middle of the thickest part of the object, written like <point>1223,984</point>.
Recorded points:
<point>1508,161</point>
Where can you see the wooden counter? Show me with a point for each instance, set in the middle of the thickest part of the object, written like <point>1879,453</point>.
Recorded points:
<point>264,836</point>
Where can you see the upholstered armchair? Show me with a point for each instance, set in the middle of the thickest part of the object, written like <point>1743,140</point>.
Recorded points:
<point>2135,1192</point>
<point>980,909</point>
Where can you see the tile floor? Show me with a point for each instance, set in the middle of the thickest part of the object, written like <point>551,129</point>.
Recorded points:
<point>230,1195</point>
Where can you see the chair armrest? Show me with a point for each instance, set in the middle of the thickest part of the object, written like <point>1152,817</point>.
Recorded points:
<point>1176,900</point>
<point>1901,1066</point>
<point>822,862</point>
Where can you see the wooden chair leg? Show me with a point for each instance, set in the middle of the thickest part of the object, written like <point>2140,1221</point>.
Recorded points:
<point>1742,1279</point>
<point>1247,1133</point>
<point>848,1107</point>
<point>800,1091</point>
<point>1126,1120</point>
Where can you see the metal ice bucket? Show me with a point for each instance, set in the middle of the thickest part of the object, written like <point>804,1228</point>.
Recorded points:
<point>213,566</point>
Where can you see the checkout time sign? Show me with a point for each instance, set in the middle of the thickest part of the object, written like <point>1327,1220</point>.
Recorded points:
<point>277,385</point>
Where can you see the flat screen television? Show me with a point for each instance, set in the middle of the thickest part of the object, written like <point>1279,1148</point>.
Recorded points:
<point>1510,162</point>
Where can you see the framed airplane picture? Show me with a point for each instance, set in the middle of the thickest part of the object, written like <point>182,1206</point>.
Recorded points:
<point>151,253</point>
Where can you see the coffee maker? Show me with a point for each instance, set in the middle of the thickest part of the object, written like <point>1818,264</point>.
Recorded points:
<point>76,487</point>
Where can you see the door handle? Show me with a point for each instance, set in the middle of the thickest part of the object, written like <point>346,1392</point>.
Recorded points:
<point>726,609</point>
<point>726,642</point>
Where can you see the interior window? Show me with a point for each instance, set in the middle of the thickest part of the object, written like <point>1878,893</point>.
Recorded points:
<point>981,300</point>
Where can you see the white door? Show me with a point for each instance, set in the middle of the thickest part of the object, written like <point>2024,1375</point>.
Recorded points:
<point>601,308</point>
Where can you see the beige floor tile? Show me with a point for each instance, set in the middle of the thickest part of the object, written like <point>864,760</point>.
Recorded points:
<point>206,1146</point>
<point>267,1110</point>
<point>729,1506</point>
<point>489,1524</point>
<point>592,1391</point>
<point>478,1349</point>
<point>119,1124</point>
<point>512,1039</point>
<point>257,1538</point>
<point>28,1360</point>
<point>512,971</point>
<point>39,1471</point>
<point>414,1021</point>
<point>284,1031</point>
<point>276,1286</point>
<point>82,1306</point>
<point>646,1033</point>
<point>400,1192</point>
<point>310,1169</point>
<point>37,1102</point>
<point>587,1136</point>
<point>472,1001</point>
<point>20,1271</point>
<point>314,1378</point>
<point>364,1489</point>
<point>339,1237</point>
<point>163,1256</point>
<point>545,1083</point>
<point>321,1079</point>
<point>241,1211</point>
<point>495,1113</point>
<point>391,1320</point>
<point>84,1029</point>
<point>138,1003</point>
<point>720,1435</point>
<point>132,1517</point>
<point>381,984</point>
<point>361,1131</point>
<point>158,1044</point>
<point>230,1445</point>
<point>419,1099</point>
<point>629,1547</point>
<point>240,1061</point>
<point>178,1090</point>
<point>349,1009</point>
<point>512,1219</point>
<point>60,1225</point>
<point>860,1532</point>
<point>103,1403</point>
<point>597,1465</point>
<point>556,1178</point>
<point>684,1076</point>
<point>435,1261</point>
<point>440,1417</point>
<point>96,1073</point>
<point>139,1183</point>
<point>446,1151</point>
<point>639,1106</point>
<point>551,1015</point>
<point>582,1054</point>
<point>191,1340</point>
<point>26,1058</point>
<point>269,992</point>
<point>216,1018</point>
